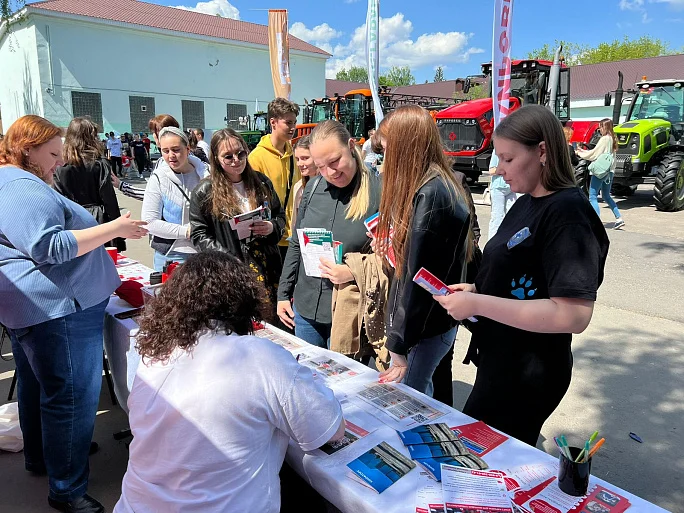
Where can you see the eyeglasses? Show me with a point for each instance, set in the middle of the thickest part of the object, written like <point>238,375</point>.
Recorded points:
<point>241,155</point>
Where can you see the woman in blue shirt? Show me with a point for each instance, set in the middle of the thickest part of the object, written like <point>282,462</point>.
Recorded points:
<point>55,282</point>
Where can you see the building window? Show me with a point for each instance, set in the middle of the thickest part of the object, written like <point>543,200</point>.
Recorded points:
<point>236,117</point>
<point>87,105</point>
<point>193,114</point>
<point>142,110</point>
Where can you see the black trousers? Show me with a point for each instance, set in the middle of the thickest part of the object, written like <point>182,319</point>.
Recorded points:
<point>442,380</point>
<point>117,167</point>
<point>140,162</point>
<point>516,393</point>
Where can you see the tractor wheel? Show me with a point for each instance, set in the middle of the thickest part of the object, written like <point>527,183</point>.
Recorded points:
<point>668,192</point>
<point>582,176</point>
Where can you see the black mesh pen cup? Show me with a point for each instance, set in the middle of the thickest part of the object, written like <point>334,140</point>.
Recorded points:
<point>573,478</point>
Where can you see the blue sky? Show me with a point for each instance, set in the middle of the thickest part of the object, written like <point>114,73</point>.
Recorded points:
<point>456,35</point>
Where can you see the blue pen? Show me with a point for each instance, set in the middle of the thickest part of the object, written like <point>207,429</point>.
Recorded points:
<point>558,444</point>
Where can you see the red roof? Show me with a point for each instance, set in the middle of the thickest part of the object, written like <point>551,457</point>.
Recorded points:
<point>592,81</point>
<point>168,18</point>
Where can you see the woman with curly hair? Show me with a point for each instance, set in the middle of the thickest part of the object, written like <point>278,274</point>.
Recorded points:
<point>212,407</point>
<point>234,188</point>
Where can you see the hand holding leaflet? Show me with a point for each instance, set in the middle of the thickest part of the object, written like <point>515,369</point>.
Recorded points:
<point>434,285</point>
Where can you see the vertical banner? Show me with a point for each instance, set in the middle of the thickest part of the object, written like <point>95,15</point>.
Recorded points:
<point>501,59</point>
<point>373,55</point>
<point>279,51</point>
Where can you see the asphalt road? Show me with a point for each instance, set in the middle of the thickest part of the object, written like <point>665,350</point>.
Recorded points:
<point>628,374</point>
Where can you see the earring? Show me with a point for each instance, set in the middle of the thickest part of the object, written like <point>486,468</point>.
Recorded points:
<point>543,163</point>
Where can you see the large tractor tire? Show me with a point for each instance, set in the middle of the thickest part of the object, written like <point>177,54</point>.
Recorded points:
<point>668,192</point>
<point>582,176</point>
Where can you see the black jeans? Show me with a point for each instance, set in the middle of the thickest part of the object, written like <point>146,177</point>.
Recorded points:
<point>140,163</point>
<point>117,167</point>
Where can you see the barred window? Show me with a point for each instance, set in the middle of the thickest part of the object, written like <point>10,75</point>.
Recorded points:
<point>87,105</point>
<point>142,110</point>
<point>193,114</point>
<point>236,117</point>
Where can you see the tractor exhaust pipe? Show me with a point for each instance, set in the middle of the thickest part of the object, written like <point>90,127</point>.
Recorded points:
<point>554,79</point>
<point>617,108</point>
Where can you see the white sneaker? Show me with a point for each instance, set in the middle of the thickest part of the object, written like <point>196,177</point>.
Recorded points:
<point>619,223</point>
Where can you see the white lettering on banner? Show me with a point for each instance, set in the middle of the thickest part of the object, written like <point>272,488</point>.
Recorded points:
<point>373,56</point>
<point>501,59</point>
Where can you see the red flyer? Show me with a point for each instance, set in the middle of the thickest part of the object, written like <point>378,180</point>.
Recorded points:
<point>479,438</point>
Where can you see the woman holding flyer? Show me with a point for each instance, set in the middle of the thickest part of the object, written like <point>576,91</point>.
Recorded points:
<point>425,209</point>
<point>537,283</point>
<point>234,188</point>
<point>339,200</point>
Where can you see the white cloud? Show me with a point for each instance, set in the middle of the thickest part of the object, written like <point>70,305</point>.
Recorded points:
<point>677,4</point>
<point>631,5</point>
<point>398,48</point>
<point>222,8</point>
<point>320,35</point>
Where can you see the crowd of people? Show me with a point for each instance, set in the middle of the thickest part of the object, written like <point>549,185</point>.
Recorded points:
<point>233,399</point>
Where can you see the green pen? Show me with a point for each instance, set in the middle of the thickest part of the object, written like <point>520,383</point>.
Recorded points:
<point>583,452</point>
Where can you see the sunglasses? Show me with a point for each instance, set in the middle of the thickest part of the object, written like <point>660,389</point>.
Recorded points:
<point>241,155</point>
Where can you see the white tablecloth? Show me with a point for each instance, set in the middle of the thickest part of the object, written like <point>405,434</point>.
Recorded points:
<point>329,474</point>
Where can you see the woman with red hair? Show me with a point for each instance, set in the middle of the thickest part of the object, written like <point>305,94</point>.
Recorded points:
<point>55,283</point>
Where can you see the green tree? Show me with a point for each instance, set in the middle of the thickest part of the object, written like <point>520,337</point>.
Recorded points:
<point>617,50</point>
<point>476,92</point>
<point>439,74</point>
<point>8,11</point>
<point>354,74</point>
<point>397,76</point>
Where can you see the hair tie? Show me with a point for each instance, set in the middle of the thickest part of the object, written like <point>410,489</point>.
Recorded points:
<point>175,131</point>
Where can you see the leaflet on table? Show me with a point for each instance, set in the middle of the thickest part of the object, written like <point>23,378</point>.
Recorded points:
<point>429,495</point>
<point>380,467</point>
<point>242,223</point>
<point>135,272</point>
<point>317,243</point>
<point>548,497</point>
<point>479,438</point>
<point>282,339</point>
<point>530,475</point>
<point>352,433</point>
<point>482,491</point>
<point>396,406</point>
<point>372,227</point>
<point>330,368</point>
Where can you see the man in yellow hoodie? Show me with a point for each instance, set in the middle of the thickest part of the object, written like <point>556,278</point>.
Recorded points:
<point>274,157</point>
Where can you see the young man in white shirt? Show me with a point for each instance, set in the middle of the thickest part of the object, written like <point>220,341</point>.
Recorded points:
<point>201,143</point>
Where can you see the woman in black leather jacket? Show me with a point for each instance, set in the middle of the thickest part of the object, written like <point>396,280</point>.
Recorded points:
<point>426,208</point>
<point>234,188</point>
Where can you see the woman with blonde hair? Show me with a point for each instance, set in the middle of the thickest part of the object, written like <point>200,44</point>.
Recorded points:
<point>340,199</point>
<point>425,209</point>
<point>606,144</point>
<point>305,163</point>
<point>86,178</point>
<point>537,282</point>
<point>55,283</point>
<point>234,188</point>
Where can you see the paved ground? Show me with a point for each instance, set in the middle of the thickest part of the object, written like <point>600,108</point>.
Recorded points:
<point>628,375</point>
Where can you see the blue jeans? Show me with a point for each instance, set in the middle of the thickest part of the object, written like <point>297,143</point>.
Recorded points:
<point>160,259</point>
<point>424,358</point>
<point>502,201</point>
<point>315,333</point>
<point>59,369</point>
<point>597,185</point>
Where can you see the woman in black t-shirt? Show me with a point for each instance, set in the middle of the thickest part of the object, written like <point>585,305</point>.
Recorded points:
<point>537,283</point>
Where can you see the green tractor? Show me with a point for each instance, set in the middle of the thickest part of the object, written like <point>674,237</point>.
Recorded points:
<point>651,141</point>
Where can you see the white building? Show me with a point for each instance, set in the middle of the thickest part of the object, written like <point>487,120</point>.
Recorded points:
<point>122,62</point>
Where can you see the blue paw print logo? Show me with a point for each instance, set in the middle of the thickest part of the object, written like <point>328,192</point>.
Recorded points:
<point>522,288</point>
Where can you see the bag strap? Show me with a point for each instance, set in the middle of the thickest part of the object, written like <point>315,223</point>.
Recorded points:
<point>180,189</point>
<point>289,182</point>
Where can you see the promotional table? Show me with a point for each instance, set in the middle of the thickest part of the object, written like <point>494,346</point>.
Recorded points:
<point>328,474</point>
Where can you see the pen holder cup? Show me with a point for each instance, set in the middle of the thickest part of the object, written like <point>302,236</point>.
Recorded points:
<point>573,478</point>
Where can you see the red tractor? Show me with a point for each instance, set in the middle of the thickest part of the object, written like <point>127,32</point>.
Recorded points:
<point>466,129</point>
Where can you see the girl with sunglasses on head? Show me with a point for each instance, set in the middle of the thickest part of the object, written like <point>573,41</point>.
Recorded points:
<point>234,188</point>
